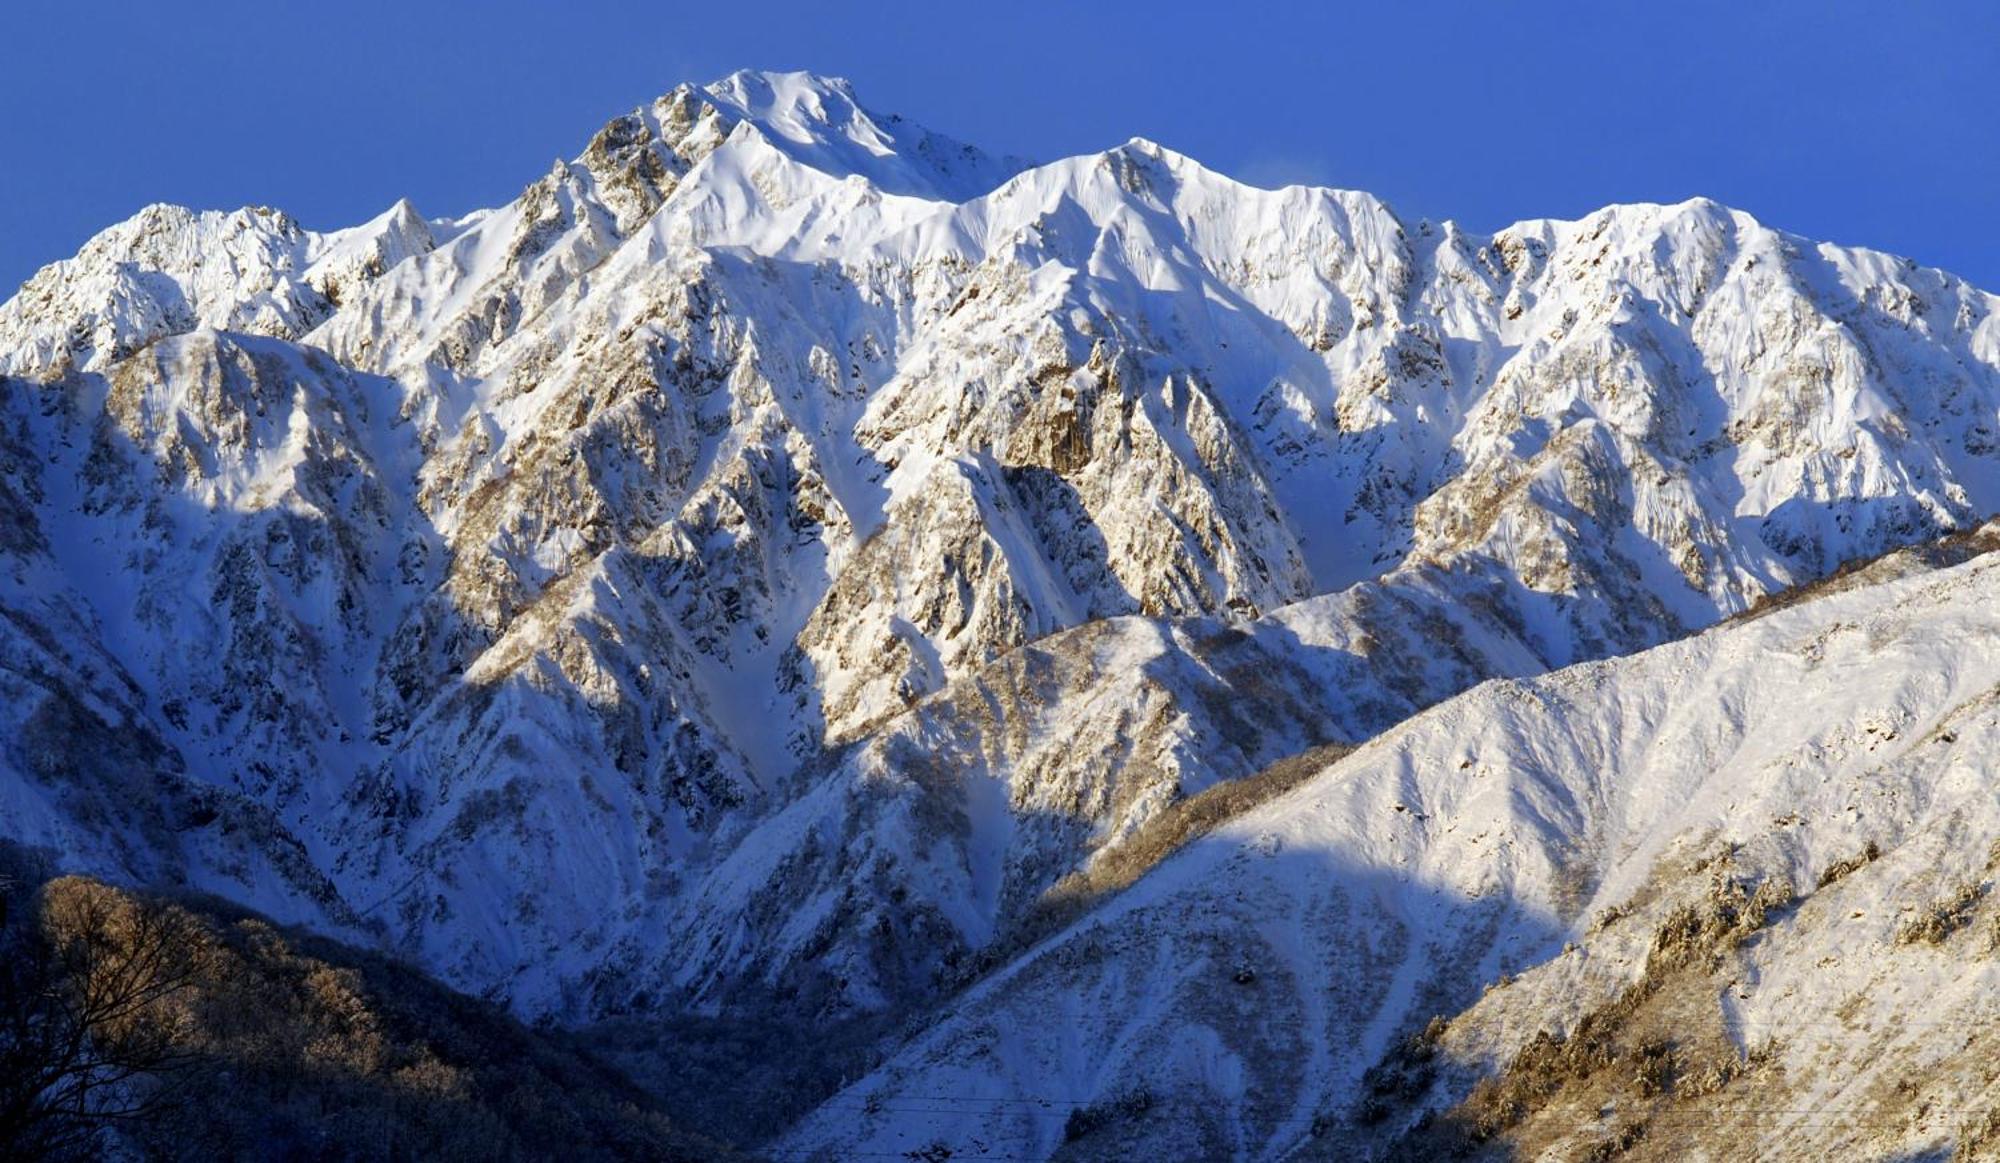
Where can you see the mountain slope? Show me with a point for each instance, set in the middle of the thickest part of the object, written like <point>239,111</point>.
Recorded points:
<point>754,567</point>
<point>1565,841</point>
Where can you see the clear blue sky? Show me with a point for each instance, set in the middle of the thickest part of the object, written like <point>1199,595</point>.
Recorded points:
<point>1867,123</point>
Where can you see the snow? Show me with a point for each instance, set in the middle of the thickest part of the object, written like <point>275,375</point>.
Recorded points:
<point>783,525</point>
<point>1486,807</point>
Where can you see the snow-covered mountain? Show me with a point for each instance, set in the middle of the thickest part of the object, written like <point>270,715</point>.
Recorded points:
<point>761,564</point>
<point>1752,867</point>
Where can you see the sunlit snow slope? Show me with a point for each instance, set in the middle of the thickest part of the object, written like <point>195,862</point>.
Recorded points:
<point>1775,842</point>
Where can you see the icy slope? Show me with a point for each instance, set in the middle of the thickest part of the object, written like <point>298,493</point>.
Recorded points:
<point>1540,835</point>
<point>587,589</point>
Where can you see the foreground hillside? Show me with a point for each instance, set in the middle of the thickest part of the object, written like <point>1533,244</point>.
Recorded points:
<point>1727,898</point>
<point>188,1029</point>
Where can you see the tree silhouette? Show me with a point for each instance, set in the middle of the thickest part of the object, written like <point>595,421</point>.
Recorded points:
<point>89,981</point>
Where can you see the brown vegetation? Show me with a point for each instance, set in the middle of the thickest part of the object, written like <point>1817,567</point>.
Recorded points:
<point>90,996</point>
<point>1979,1138</point>
<point>1631,1058</point>
<point>1937,921</point>
<point>1949,550</point>
<point>190,1031</point>
<point>1840,870</point>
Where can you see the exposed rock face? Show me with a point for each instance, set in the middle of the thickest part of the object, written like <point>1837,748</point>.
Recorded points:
<point>768,554</point>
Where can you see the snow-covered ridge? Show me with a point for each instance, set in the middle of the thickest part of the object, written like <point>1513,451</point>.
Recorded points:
<point>755,565</point>
<point>168,270</point>
<point>1538,835</point>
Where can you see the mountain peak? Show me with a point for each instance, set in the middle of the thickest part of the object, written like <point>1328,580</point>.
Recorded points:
<point>818,121</point>
<point>799,107</point>
<point>762,93</point>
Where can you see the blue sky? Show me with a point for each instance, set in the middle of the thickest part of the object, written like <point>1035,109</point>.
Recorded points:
<point>1868,123</point>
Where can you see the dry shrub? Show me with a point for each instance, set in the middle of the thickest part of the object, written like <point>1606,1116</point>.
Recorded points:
<point>1938,553</point>
<point>1979,1139</point>
<point>1199,814</point>
<point>1616,1047</point>
<point>1403,1075</point>
<point>1626,1137</point>
<point>1656,1067</point>
<point>1702,931</point>
<point>1841,869</point>
<point>1937,921</point>
<point>1609,916</point>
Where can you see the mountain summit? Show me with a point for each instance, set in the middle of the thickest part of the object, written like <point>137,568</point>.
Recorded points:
<point>790,567</point>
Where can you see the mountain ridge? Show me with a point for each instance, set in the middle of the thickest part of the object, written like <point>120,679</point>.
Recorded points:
<point>753,568</point>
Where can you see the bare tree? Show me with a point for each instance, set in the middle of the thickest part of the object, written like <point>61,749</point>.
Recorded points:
<point>90,989</point>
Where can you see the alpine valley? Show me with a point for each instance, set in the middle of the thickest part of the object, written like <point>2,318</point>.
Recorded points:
<point>912,653</point>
